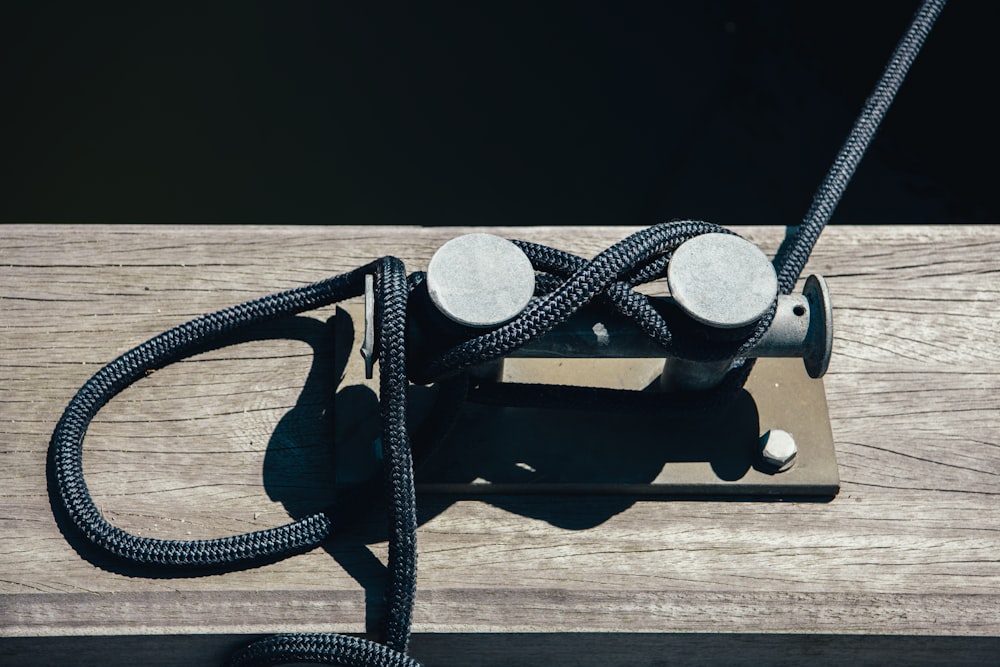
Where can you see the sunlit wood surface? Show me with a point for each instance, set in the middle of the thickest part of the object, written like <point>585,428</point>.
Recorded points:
<point>903,563</point>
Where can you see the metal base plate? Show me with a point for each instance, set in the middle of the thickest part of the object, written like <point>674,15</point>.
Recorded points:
<point>520,450</point>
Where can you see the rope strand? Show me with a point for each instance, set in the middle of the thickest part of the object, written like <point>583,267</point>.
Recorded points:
<point>830,191</point>
<point>567,284</point>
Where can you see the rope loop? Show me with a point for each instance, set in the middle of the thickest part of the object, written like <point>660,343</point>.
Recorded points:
<point>66,459</point>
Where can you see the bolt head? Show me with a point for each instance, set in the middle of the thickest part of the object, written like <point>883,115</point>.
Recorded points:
<point>778,449</point>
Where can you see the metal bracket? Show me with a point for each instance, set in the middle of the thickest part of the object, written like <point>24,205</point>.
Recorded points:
<point>368,352</point>
<point>773,439</point>
<point>518,450</point>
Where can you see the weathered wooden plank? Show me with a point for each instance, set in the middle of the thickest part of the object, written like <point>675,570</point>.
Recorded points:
<point>228,442</point>
<point>489,610</point>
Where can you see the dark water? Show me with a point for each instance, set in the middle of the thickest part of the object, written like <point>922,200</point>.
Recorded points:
<point>486,113</point>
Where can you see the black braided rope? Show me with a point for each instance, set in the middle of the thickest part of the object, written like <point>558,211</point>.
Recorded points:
<point>392,294</point>
<point>825,201</point>
<point>566,284</point>
<point>66,452</point>
<point>319,648</point>
<point>561,265</point>
<point>612,273</point>
<point>66,449</point>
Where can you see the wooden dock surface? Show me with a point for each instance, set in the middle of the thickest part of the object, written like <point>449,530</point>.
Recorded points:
<point>904,564</point>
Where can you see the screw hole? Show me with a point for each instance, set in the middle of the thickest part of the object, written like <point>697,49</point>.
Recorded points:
<point>799,310</point>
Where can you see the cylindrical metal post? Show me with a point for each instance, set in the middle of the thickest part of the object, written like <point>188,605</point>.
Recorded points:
<point>723,282</point>
<point>478,282</point>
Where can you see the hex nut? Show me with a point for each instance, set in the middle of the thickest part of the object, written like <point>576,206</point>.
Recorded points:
<point>778,450</point>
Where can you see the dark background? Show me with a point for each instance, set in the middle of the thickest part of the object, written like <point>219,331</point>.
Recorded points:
<point>486,113</point>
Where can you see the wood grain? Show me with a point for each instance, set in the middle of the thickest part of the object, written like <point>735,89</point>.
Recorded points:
<point>227,442</point>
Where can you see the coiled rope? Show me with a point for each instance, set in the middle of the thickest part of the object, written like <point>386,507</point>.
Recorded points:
<point>568,283</point>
